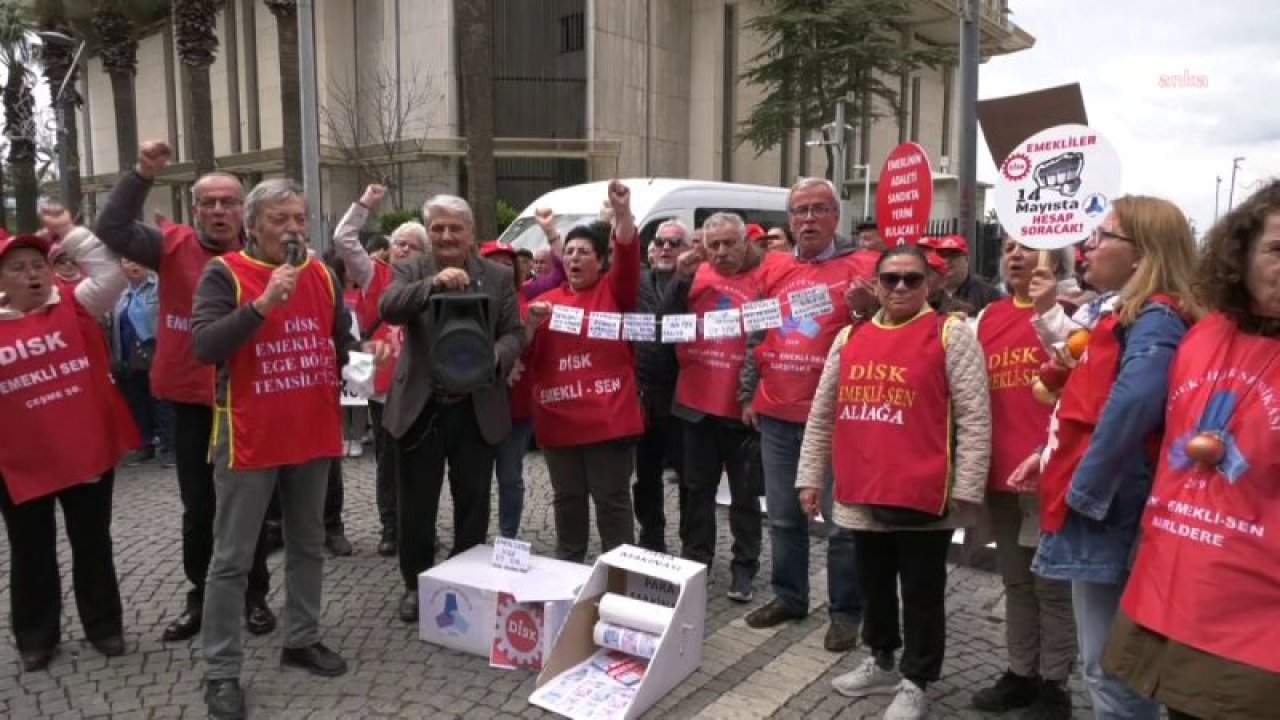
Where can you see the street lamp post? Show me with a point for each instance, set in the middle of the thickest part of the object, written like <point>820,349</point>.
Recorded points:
<point>833,134</point>
<point>1231,191</point>
<point>68,171</point>
<point>1217,193</point>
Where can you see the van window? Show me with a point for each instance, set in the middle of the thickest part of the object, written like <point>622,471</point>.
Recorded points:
<point>766,218</point>
<point>526,234</point>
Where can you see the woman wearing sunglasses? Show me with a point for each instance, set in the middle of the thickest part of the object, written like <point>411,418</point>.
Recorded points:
<point>1097,471</point>
<point>1199,628</point>
<point>908,383</point>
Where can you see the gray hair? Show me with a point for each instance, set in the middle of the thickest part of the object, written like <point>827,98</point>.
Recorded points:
<point>726,219</point>
<point>451,204</point>
<point>412,228</point>
<point>681,227</point>
<point>215,174</point>
<point>269,192</point>
<point>805,183</point>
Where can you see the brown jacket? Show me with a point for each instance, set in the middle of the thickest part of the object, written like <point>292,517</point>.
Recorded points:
<point>405,303</point>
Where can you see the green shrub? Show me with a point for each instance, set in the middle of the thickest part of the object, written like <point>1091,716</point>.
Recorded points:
<point>392,219</point>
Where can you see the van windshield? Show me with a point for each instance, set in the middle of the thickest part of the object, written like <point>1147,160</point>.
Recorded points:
<point>524,232</point>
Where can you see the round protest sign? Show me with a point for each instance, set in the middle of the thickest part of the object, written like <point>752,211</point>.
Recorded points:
<point>1056,186</point>
<point>904,195</point>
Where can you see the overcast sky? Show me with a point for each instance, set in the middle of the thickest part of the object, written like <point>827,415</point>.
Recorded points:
<point>1173,141</point>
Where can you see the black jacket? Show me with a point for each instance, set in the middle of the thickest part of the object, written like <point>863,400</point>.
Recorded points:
<point>656,366</point>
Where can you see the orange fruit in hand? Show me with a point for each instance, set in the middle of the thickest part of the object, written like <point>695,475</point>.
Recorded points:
<point>1077,341</point>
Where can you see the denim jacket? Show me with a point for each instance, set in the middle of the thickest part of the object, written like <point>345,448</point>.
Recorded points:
<point>1110,487</point>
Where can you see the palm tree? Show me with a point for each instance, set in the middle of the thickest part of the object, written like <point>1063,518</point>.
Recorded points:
<point>475,66</point>
<point>59,72</point>
<point>286,13</point>
<point>194,22</point>
<point>119,51</point>
<point>17,57</point>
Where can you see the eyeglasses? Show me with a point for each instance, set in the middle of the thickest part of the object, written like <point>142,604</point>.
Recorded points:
<point>667,242</point>
<point>1099,235</point>
<point>817,210</point>
<point>209,203</point>
<point>891,280</point>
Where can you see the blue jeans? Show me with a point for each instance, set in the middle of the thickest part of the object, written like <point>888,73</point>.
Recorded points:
<point>1096,605</point>
<point>789,529</point>
<point>510,470</point>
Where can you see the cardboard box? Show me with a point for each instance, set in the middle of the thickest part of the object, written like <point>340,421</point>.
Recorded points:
<point>458,601</point>
<point>567,685</point>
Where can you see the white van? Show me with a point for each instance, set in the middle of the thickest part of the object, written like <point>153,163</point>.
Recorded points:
<point>653,201</point>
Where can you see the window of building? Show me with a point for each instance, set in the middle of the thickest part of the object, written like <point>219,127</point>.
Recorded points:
<point>573,33</point>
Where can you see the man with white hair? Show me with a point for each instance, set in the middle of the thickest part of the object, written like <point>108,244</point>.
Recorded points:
<point>435,418</point>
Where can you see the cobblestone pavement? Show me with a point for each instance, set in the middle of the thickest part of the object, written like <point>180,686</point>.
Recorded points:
<point>782,672</point>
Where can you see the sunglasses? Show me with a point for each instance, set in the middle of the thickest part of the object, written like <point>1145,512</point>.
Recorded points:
<point>667,242</point>
<point>891,280</point>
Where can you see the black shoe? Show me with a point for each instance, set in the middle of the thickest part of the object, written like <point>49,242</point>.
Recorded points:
<point>740,589</point>
<point>315,659</point>
<point>1053,702</point>
<point>34,660</point>
<point>258,618</point>
<point>1011,691</point>
<point>772,614</point>
<point>408,606</point>
<point>842,636</point>
<point>338,544</point>
<point>184,626</point>
<point>111,646</point>
<point>653,540</point>
<point>387,545</point>
<point>166,460</point>
<point>224,699</point>
<point>138,457</point>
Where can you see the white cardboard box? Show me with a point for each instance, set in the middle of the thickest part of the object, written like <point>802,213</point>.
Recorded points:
<point>457,599</point>
<point>643,575</point>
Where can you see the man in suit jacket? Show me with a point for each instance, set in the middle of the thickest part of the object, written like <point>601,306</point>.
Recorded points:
<point>432,425</point>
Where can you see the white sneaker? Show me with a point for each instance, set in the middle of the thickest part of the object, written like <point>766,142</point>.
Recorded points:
<point>910,703</point>
<point>355,449</point>
<point>867,679</point>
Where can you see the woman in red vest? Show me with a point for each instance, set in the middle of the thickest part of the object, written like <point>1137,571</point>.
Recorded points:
<point>55,387</point>
<point>586,408</point>
<point>909,383</point>
<point>1199,627</point>
<point>1040,634</point>
<point>1100,454</point>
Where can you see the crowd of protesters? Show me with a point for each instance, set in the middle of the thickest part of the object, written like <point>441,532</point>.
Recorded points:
<point>1111,419</point>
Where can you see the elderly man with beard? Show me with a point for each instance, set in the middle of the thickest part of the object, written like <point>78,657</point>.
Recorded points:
<point>434,424</point>
<point>178,253</point>
<point>272,319</point>
<point>656,378</point>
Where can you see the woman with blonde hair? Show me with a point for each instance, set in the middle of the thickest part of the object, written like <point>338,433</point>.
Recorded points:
<point>1098,465</point>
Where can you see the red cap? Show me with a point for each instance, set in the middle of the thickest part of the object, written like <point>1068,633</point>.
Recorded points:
<point>946,242</point>
<point>754,232</point>
<point>936,262</point>
<point>493,247</point>
<point>10,242</point>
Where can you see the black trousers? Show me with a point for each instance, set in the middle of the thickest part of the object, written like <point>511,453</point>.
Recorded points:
<point>443,433</point>
<point>662,438</point>
<point>917,559</point>
<point>136,387</point>
<point>385,474</point>
<point>710,445</point>
<point>599,472</point>
<point>35,586</point>
<point>193,425</point>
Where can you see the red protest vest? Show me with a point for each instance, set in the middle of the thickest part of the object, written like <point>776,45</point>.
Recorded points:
<point>791,357</point>
<point>1078,411</point>
<point>584,389</point>
<point>709,369</point>
<point>894,403</point>
<point>1019,422</point>
<point>62,419</point>
<point>367,315</point>
<point>1206,571</point>
<point>282,385</point>
<point>522,389</point>
<point>175,373</point>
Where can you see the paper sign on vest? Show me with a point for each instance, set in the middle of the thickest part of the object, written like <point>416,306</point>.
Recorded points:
<point>604,325</point>
<point>679,328</point>
<point>719,324</point>
<point>567,319</point>
<point>810,302</point>
<point>639,327</point>
<point>761,315</point>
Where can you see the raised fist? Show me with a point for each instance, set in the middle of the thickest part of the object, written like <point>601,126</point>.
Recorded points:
<point>372,196</point>
<point>153,156</point>
<point>689,260</point>
<point>619,198</point>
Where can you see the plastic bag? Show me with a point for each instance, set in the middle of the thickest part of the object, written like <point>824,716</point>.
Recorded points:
<point>357,375</point>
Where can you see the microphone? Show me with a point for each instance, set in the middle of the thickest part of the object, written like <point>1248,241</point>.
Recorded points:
<point>294,251</point>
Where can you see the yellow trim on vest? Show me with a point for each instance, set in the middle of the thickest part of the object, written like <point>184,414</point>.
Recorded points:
<point>878,319</point>
<point>1024,305</point>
